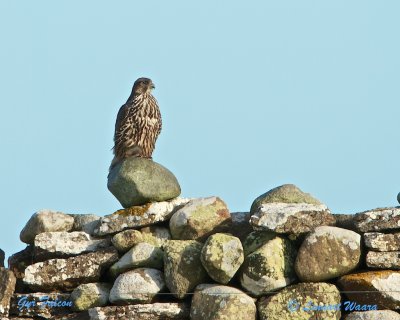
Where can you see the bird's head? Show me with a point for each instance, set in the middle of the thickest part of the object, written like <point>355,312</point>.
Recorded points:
<point>142,85</point>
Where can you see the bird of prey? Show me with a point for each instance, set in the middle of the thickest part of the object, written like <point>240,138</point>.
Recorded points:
<point>138,124</point>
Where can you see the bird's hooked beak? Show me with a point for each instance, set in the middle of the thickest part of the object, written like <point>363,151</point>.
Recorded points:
<point>152,86</point>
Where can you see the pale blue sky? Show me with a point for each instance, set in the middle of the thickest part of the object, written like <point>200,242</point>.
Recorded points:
<point>254,94</point>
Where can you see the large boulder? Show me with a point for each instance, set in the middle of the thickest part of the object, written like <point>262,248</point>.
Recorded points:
<point>287,209</point>
<point>139,216</point>
<point>380,288</point>
<point>90,295</point>
<point>67,274</point>
<point>303,301</point>
<point>378,219</point>
<point>327,253</point>
<point>137,181</point>
<point>222,255</point>
<point>46,221</point>
<point>270,267</point>
<point>200,218</point>
<point>137,286</point>
<point>216,302</point>
<point>7,287</point>
<point>183,270</point>
<point>155,311</point>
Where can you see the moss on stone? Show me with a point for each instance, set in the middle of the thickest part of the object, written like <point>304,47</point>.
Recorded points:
<point>287,193</point>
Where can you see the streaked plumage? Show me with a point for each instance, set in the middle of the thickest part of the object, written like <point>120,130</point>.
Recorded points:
<point>138,123</point>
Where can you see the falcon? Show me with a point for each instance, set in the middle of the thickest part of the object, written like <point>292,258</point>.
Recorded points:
<point>138,124</point>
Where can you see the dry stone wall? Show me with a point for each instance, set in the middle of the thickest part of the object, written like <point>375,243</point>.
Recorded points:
<point>288,258</point>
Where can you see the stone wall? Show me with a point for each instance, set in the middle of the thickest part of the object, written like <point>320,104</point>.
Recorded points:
<point>288,258</point>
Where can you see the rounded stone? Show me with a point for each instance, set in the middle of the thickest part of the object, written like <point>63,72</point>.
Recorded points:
<point>270,267</point>
<point>287,193</point>
<point>216,302</point>
<point>200,218</point>
<point>90,295</point>
<point>141,255</point>
<point>327,253</point>
<point>125,240</point>
<point>183,270</point>
<point>137,286</point>
<point>288,210</point>
<point>45,221</point>
<point>137,181</point>
<point>301,302</point>
<point>222,255</point>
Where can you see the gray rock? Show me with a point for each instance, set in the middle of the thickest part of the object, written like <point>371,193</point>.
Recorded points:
<point>158,234</point>
<point>153,235</point>
<point>183,270</point>
<point>286,209</point>
<point>200,218</point>
<point>378,219</point>
<point>141,255</point>
<point>222,255</point>
<point>137,181</point>
<point>327,253</point>
<point>7,287</point>
<point>63,244</point>
<point>216,302</point>
<point>383,260</point>
<point>125,240</point>
<point>155,311</point>
<point>297,302</point>
<point>86,222</point>
<point>137,286</point>
<point>90,295</point>
<point>44,305</point>
<point>373,315</point>
<point>67,274</point>
<point>240,225</point>
<point>380,288</point>
<point>270,267</point>
<point>2,255</point>
<point>287,193</point>
<point>382,241</point>
<point>140,216</point>
<point>45,221</point>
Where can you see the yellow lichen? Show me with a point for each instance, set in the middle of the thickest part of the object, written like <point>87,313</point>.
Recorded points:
<point>134,211</point>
